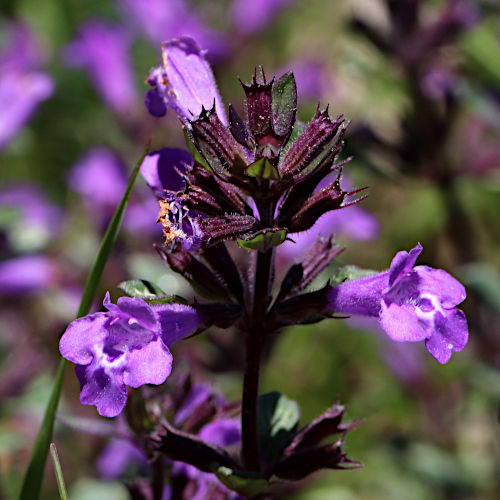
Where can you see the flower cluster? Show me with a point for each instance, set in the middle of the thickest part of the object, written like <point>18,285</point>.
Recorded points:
<point>255,180</point>
<point>246,172</point>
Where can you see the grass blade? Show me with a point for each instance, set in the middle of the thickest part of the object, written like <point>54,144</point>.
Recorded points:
<point>58,471</point>
<point>32,483</point>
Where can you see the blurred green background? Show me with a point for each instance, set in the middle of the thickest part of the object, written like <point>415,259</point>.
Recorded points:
<point>431,159</point>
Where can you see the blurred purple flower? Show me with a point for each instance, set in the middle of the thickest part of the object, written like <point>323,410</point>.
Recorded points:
<point>128,345</point>
<point>250,16</point>
<point>33,221</point>
<point>22,87</point>
<point>184,82</point>
<point>25,275</point>
<point>412,304</point>
<point>200,393</point>
<point>161,168</point>
<point>437,82</point>
<point>224,433</point>
<point>310,76</point>
<point>162,20</point>
<point>118,455</point>
<point>354,221</point>
<point>99,178</point>
<point>104,53</point>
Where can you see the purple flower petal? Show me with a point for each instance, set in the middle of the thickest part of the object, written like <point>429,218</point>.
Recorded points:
<point>403,261</point>
<point>150,365</point>
<point>161,169</point>
<point>177,321</point>
<point>78,341</point>
<point>128,307</point>
<point>154,103</point>
<point>439,282</point>
<point>401,323</point>
<point>103,388</point>
<point>451,335</point>
<point>224,432</point>
<point>198,394</point>
<point>186,81</point>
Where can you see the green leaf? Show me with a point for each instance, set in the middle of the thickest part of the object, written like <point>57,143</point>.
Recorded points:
<point>248,484</point>
<point>284,103</point>
<point>32,482</point>
<point>264,169</point>
<point>141,289</point>
<point>58,471</point>
<point>349,273</point>
<point>149,291</point>
<point>277,420</point>
<point>264,240</point>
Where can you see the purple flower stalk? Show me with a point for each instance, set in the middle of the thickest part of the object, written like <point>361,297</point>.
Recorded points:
<point>128,345</point>
<point>184,82</point>
<point>412,304</point>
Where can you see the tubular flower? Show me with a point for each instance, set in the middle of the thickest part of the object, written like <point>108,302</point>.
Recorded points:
<point>184,83</point>
<point>127,345</point>
<point>412,304</point>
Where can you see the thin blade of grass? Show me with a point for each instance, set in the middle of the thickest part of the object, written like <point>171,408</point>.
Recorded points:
<point>32,483</point>
<point>59,475</point>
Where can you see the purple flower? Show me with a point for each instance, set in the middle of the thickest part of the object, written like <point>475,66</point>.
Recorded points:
<point>99,178</point>
<point>104,52</point>
<point>128,345</point>
<point>118,455</point>
<point>250,16</point>
<point>27,274</point>
<point>184,83</point>
<point>178,226</point>
<point>161,169</point>
<point>33,221</point>
<point>161,20</point>
<point>412,304</point>
<point>310,75</point>
<point>225,433</point>
<point>22,87</point>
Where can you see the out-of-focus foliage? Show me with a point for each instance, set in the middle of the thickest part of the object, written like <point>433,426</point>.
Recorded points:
<point>425,137</point>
